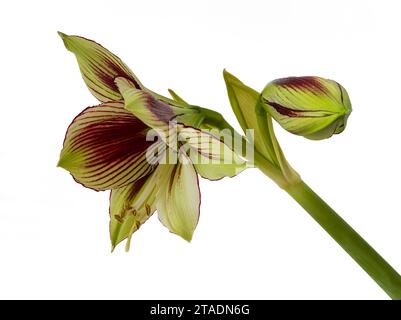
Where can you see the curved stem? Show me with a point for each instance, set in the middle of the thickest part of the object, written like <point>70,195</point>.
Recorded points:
<point>378,268</point>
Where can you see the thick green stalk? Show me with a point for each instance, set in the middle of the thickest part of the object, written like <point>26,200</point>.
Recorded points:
<point>378,268</point>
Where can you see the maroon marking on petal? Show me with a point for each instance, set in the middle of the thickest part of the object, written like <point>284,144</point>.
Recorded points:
<point>122,139</point>
<point>162,111</point>
<point>116,66</point>
<point>114,166</point>
<point>136,187</point>
<point>111,140</point>
<point>341,93</point>
<point>133,190</point>
<point>117,71</point>
<point>285,111</point>
<point>133,172</point>
<point>302,83</point>
<point>172,178</point>
<point>200,195</point>
<point>92,88</point>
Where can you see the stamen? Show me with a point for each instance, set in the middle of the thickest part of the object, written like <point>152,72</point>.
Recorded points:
<point>148,210</point>
<point>119,218</point>
<point>137,224</point>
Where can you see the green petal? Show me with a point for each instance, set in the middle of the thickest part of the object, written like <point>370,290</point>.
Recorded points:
<point>212,158</point>
<point>243,100</point>
<point>130,207</point>
<point>160,116</point>
<point>99,67</point>
<point>155,113</point>
<point>105,147</point>
<point>177,98</point>
<point>178,197</point>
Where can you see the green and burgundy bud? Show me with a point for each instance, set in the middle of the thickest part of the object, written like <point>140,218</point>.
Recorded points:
<point>312,107</point>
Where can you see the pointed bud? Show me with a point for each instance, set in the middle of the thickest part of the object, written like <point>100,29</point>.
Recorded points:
<point>312,107</point>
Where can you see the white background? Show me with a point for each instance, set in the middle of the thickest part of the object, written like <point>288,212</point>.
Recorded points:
<point>253,241</point>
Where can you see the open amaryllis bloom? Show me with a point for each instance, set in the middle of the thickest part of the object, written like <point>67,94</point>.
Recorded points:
<point>141,146</point>
<point>149,150</point>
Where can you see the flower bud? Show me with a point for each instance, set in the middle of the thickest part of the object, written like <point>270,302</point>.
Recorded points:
<point>312,107</point>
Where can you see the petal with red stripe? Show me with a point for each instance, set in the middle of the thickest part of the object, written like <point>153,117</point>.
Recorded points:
<point>99,67</point>
<point>178,197</point>
<point>105,147</point>
<point>213,159</point>
<point>130,207</point>
<point>155,113</point>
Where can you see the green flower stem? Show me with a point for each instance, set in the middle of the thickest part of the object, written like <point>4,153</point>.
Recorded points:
<point>380,271</point>
<point>270,170</point>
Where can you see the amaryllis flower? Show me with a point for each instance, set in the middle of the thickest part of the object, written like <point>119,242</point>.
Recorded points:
<point>148,149</point>
<point>107,147</point>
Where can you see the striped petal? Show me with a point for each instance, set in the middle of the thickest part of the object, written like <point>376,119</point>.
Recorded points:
<point>99,67</point>
<point>178,197</point>
<point>212,158</point>
<point>130,207</point>
<point>155,113</point>
<point>105,147</point>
